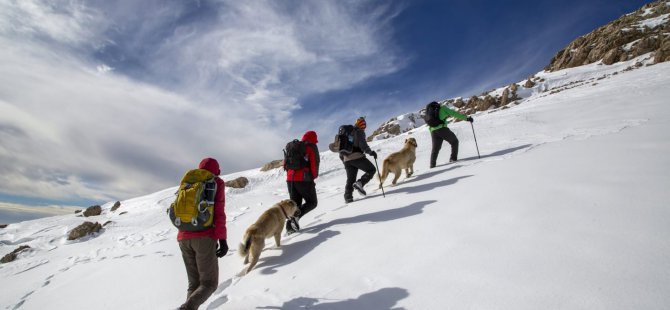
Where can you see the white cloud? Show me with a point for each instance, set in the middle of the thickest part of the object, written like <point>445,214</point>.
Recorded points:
<point>227,87</point>
<point>46,210</point>
<point>104,68</point>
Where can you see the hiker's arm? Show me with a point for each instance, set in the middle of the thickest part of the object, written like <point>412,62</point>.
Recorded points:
<point>313,162</point>
<point>455,114</point>
<point>362,143</point>
<point>220,231</point>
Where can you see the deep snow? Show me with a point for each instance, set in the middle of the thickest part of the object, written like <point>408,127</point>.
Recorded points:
<point>566,209</point>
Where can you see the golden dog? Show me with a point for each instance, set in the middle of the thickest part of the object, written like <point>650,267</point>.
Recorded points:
<point>403,159</point>
<point>269,224</point>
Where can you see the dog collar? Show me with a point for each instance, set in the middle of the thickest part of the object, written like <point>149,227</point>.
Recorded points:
<point>282,211</point>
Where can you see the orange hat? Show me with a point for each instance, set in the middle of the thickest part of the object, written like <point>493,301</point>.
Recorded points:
<point>360,123</point>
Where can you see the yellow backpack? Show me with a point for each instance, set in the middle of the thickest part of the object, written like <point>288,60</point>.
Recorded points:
<point>193,209</point>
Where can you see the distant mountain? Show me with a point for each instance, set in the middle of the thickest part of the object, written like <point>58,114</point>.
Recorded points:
<point>643,32</point>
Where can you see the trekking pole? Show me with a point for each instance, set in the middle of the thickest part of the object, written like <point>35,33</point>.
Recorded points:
<point>380,177</point>
<point>473,134</point>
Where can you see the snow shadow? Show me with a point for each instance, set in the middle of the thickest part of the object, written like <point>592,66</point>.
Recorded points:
<point>294,251</point>
<point>382,299</point>
<point>499,153</point>
<point>374,217</point>
<point>426,187</point>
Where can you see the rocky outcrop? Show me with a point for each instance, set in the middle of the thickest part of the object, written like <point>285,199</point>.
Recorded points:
<point>92,211</point>
<point>116,206</point>
<point>83,230</point>
<point>273,165</point>
<point>398,125</point>
<point>529,84</point>
<point>12,256</point>
<point>630,36</point>
<point>662,54</point>
<point>3,225</point>
<point>240,182</point>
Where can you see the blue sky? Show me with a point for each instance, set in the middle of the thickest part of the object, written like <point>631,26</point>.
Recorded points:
<point>109,100</point>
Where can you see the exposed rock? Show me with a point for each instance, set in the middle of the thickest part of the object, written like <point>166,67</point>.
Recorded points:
<point>505,97</point>
<point>662,54</point>
<point>124,212</point>
<point>12,256</point>
<point>389,128</point>
<point>77,211</point>
<point>116,206</point>
<point>400,124</point>
<point>240,182</point>
<point>84,229</point>
<point>3,225</point>
<point>487,103</point>
<point>529,84</point>
<point>459,103</point>
<point>92,211</point>
<point>620,40</point>
<point>108,222</point>
<point>514,87</point>
<point>612,56</point>
<point>273,165</point>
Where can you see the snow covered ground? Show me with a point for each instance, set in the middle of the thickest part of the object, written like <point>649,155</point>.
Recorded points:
<point>566,209</point>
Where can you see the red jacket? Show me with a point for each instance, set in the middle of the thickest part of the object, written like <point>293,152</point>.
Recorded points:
<point>312,153</point>
<point>218,231</point>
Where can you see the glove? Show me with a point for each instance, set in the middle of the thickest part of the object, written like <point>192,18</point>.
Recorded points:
<point>374,154</point>
<point>223,248</point>
<point>470,119</point>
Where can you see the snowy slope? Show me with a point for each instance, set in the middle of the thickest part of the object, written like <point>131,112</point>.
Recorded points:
<point>566,209</point>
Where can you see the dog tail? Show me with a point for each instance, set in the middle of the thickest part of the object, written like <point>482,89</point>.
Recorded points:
<point>244,246</point>
<point>385,170</point>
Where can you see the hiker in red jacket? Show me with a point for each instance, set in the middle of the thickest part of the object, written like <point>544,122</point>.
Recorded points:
<point>300,182</point>
<point>199,249</point>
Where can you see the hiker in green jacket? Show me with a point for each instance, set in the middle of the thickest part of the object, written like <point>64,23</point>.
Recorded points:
<point>441,132</point>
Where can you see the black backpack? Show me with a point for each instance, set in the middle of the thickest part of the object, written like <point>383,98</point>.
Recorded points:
<point>294,155</point>
<point>432,115</point>
<point>345,139</point>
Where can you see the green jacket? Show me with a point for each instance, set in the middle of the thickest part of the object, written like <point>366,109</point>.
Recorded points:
<point>444,112</point>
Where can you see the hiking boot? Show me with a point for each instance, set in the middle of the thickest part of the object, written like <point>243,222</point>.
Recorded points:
<point>453,160</point>
<point>348,200</point>
<point>359,187</point>
<point>292,226</point>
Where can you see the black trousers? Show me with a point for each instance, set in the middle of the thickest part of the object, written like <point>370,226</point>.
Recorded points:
<point>352,167</point>
<point>303,190</point>
<point>438,136</point>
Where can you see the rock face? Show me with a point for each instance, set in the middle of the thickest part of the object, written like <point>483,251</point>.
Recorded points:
<point>398,125</point>
<point>116,206</point>
<point>273,165</point>
<point>240,182</point>
<point>3,225</point>
<point>84,229</point>
<point>12,256</point>
<point>643,31</point>
<point>92,211</point>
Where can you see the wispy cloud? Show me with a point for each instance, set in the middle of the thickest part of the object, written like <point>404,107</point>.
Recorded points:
<point>106,101</point>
